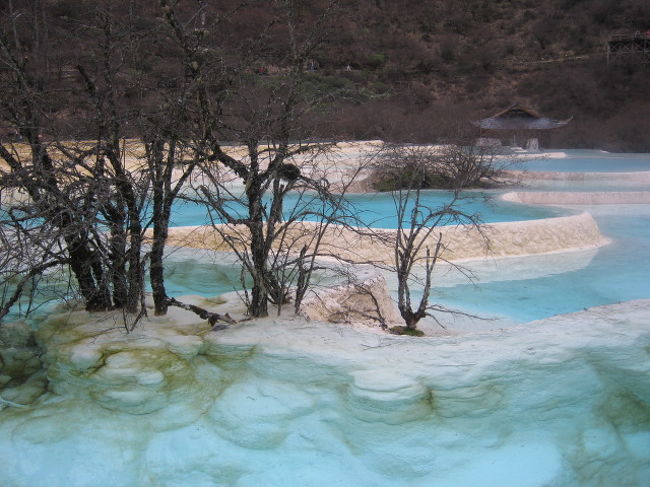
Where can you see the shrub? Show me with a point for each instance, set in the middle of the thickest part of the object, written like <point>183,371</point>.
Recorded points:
<point>443,167</point>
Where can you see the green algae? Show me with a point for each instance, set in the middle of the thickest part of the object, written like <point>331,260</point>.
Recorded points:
<point>626,411</point>
<point>230,411</point>
<point>402,330</point>
<point>22,378</point>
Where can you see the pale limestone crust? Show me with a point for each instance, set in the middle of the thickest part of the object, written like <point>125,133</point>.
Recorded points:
<point>388,396</point>
<point>579,197</point>
<point>427,411</point>
<point>365,302</point>
<point>255,423</point>
<point>388,383</point>
<point>93,357</point>
<point>462,242</point>
<point>637,176</point>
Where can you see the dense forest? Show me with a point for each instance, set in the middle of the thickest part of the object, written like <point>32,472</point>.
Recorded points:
<point>402,70</point>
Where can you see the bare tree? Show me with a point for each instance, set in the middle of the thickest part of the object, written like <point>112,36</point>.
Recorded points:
<point>418,243</point>
<point>264,117</point>
<point>296,216</point>
<point>463,164</point>
<point>97,194</point>
<point>72,188</point>
<point>91,194</point>
<point>28,252</point>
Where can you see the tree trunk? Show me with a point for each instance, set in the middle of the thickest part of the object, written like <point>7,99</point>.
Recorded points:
<point>118,268</point>
<point>135,275</point>
<point>259,294</point>
<point>96,296</point>
<point>157,270</point>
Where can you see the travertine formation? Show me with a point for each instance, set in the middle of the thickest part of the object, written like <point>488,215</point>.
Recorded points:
<point>366,301</point>
<point>288,402</point>
<point>284,401</point>
<point>579,197</point>
<point>22,379</point>
<point>619,177</point>
<point>460,242</point>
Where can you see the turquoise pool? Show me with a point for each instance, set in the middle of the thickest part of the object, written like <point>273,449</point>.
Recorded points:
<point>378,210</point>
<point>616,272</point>
<point>555,286</point>
<point>564,405</point>
<point>588,161</point>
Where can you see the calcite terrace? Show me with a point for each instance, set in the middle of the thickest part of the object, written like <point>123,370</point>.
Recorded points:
<point>175,404</point>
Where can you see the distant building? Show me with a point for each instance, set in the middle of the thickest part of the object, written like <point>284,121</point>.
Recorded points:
<point>629,48</point>
<point>516,126</point>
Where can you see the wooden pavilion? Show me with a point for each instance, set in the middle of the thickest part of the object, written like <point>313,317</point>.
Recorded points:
<point>517,126</point>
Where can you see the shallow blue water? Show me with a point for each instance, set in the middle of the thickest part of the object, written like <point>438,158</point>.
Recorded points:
<point>279,420</point>
<point>200,273</point>
<point>378,210</point>
<point>590,161</point>
<point>618,272</point>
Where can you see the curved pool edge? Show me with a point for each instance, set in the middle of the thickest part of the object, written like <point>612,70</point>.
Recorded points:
<point>578,198</point>
<point>461,243</point>
<point>529,397</point>
<point>635,176</point>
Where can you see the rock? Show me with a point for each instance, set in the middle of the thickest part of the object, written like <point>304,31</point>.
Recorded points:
<point>388,396</point>
<point>85,356</point>
<point>150,377</point>
<point>255,415</point>
<point>27,392</point>
<point>187,346</point>
<point>136,400</point>
<point>366,302</point>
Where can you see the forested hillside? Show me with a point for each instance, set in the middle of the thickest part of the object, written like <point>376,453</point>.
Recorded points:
<point>438,61</point>
<point>394,69</point>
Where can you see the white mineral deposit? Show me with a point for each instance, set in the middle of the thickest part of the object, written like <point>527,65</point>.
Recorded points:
<point>542,379</point>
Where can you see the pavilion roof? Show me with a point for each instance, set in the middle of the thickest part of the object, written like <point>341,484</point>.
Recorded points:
<point>518,117</point>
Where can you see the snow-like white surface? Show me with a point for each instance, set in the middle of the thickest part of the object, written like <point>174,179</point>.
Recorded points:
<point>562,402</point>
<point>559,402</point>
<point>579,198</point>
<point>461,242</point>
<point>619,177</point>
